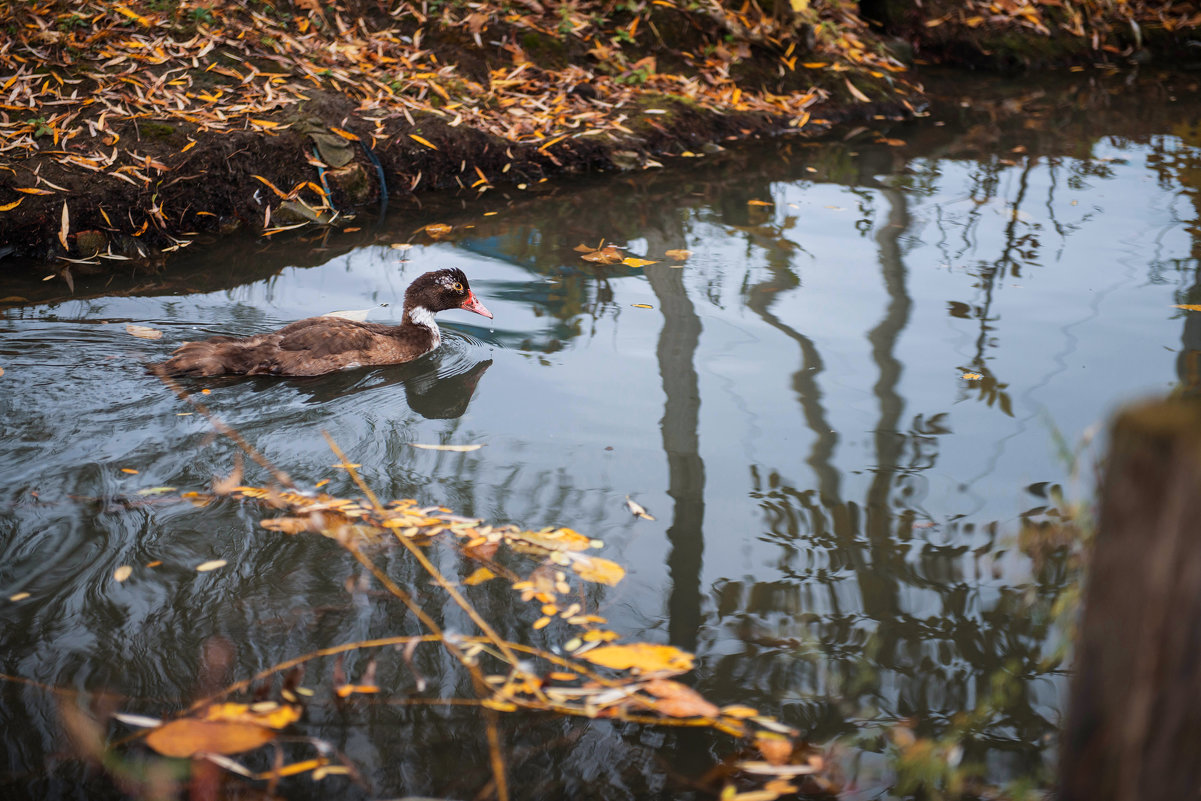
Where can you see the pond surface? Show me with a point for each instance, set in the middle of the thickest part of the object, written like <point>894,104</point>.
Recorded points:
<point>843,410</point>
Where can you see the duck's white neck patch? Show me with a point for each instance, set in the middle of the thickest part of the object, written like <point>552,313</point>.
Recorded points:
<point>424,317</point>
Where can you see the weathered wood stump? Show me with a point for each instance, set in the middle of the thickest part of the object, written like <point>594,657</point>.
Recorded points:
<point>1134,722</point>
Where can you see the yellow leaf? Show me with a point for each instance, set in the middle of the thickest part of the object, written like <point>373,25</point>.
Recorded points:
<point>188,737</point>
<point>292,770</point>
<point>212,564</point>
<point>597,570</point>
<point>541,623</point>
<point>29,190</point>
<point>631,261</point>
<point>738,711</point>
<point>1189,306</point>
<point>799,6</point>
<point>972,376</point>
<point>759,203</point>
<point>479,577</point>
<point>423,141</point>
<point>437,230</point>
<point>13,205</point>
<point>643,656</point>
<point>678,255</point>
<point>347,134</point>
<point>269,124</point>
<point>815,65</point>
<point>269,714</point>
<point>643,306</point>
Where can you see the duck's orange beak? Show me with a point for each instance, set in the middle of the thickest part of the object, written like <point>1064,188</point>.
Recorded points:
<point>472,304</point>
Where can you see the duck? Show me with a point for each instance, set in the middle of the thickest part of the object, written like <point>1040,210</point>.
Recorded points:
<point>320,345</point>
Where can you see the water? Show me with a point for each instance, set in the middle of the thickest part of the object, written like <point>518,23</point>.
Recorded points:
<point>838,507</point>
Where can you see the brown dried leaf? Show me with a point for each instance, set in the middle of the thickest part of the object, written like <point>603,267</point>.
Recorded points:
<point>679,700</point>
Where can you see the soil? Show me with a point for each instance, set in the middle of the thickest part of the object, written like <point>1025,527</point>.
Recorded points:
<point>196,181</point>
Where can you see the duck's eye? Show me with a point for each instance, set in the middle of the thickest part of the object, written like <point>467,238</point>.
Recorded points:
<point>458,287</point>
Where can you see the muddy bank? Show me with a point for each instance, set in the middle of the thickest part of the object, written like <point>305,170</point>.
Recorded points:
<point>132,130</point>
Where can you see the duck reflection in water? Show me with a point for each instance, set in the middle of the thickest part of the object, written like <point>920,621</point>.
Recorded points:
<point>438,387</point>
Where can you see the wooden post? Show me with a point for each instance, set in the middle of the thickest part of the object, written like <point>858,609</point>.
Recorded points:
<point>1134,716</point>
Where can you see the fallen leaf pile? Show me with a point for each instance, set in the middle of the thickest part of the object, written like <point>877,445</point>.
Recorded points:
<point>99,88</point>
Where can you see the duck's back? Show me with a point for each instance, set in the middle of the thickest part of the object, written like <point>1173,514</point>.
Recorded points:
<point>312,346</point>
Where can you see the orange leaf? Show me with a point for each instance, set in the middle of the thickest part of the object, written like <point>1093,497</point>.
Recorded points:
<point>423,141</point>
<point>188,737</point>
<point>29,190</point>
<point>13,205</point>
<point>775,749</point>
<point>643,656</point>
<point>759,203</point>
<point>679,700</point>
<point>438,230</point>
<point>345,134</point>
<point>631,261</point>
<point>479,577</point>
<point>678,254</point>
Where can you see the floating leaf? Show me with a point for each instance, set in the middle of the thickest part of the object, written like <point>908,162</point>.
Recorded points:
<point>776,749</point>
<point>678,254</point>
<point>679,700</point>
<point>287,525</point>
<point>143,331</point>
<point>121,573</point>
<point>631,261</point>
<point>759,203</point>
<point>438,230</point>
<point>188,737</point>
<point>637,509</point>
<point>212,564</point>
<point>129,470</point>
<point>268,713</point>
<point>1188,306</point>
<point>454,448</point>
<point>479,577</point>
<point>20,596</point>
<point>972,376</point>
<point>597,570</point>
<point>642,306</point>
<point>606,255</point>
<point>643,656</point>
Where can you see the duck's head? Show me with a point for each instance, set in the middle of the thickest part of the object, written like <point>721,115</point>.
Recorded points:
<point>444,289</point>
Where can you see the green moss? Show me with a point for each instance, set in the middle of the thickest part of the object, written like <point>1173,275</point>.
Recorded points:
<point>545,51</point>
<point>149,129</point>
